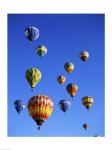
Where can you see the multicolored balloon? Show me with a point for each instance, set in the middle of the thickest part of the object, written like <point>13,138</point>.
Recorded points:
<point>64,105</point>
<point>40,108</point>
<point>31,33</point>
<point>85,126</point>
<point>33,76</point>
<point>41,50</point>
<point>69,67</point>
<point>19,106</point>
<point>87,101</point>
<point>84,55</point>
<point>72,89</point>
<point>61,79</point>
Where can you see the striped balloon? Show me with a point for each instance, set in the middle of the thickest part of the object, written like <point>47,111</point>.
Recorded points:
<point>87,101</point>
<point>33,76</point>
<point>31,33</point>
<point>40,108</point>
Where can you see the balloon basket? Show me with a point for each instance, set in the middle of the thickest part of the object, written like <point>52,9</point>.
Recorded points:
<point>38,127</point>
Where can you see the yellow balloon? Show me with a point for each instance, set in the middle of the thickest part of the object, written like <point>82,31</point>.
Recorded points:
<point>87,101</point>
<point>33,76</point>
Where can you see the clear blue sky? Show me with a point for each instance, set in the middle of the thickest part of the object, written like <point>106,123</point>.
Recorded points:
<point>64,35</point>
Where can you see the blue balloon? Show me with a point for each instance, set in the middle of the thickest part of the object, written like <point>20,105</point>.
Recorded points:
<point>64,105</point>
<point>31,33</point>
<point>19,106</point>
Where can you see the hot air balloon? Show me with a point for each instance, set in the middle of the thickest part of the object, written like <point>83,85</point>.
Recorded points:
<point>72,89</point>
<point>31,33</point>
<point>40,108</point>
<point>84,55</point>
<point>19,106</point>
<point>41,50</point>
<point>64,105</point>
<point>61,79</point>
<point>69,67</point>
<point>87,101</point>
<point>33,76</point>
<point>85,126</point>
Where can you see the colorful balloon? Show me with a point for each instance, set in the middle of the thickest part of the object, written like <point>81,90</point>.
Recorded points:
<point>87,101</point>
<point>85,126</point>
<point>69,67</point>
<point>61,79</point>
<point>19,106</point>
<point>72,89</point>
<point>31,33</point>
<point>84,55</point>
<point>40,108</point>
<point>33,76</point>
<point>64,105</point>
<point>41,50</point>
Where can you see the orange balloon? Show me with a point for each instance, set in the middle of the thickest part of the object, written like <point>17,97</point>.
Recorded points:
<point>40,108</point>
<point>72,89</point>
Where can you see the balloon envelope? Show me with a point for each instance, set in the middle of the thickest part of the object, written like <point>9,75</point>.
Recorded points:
<point>64,105</point>
<point>69,67</point>
<point>31,33</point>
<point>72,89</point>
<point>41,50</point>
<point>87,101</point>
<point>85,126</point>
<point>84,55</point>
<point>40,108</point>
<point>33,76</point>
<point>19,106</point>
<point>61,79</point>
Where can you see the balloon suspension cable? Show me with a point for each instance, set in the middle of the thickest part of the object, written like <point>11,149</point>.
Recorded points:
<point>84,61</point>
<point>88,110</point>
<point>30,41</point>
<point>72,98</point>
<point>41,56</point>
<point>69,74</point>
<point>32,89</point>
